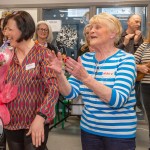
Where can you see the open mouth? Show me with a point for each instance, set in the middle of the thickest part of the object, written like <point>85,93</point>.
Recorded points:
<point>93,37</point>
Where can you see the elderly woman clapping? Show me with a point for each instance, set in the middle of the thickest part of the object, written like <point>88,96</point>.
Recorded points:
<point>105,79</point>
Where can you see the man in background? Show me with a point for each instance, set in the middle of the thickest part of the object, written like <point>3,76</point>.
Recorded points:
<point>131,38</point>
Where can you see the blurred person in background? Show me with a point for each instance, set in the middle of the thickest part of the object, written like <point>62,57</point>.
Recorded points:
<point>130,40</point>
<point>1,33</point>
<point>142,57</point>
<point>44,35</point>
<point>86,47</point>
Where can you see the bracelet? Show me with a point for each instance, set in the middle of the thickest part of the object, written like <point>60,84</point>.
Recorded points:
<point>42,115</point>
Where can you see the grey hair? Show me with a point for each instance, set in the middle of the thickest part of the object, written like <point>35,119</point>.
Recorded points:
<point>132,16</point>
<point>50,33</point>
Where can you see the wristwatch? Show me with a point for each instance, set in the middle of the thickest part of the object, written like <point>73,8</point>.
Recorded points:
<point>42,115</point>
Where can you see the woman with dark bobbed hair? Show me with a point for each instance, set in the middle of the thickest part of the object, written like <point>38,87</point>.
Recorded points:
<point>33,108</point>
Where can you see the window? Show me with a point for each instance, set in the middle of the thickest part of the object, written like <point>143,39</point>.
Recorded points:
<point>122,13</point>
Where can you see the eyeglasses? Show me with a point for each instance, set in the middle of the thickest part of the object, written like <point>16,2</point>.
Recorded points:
<point>43,30</point>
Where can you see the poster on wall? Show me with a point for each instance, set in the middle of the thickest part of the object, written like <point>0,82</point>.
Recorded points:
<point>55,25</point>
<point>66,40</point>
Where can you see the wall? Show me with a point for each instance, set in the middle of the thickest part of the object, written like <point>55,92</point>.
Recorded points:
<point>29,5</point>
<point>14,3</point>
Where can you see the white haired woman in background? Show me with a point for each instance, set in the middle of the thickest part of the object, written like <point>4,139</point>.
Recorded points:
<point>44,35</point>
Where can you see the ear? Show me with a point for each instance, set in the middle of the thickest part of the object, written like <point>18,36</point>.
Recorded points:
<point>112,35</point>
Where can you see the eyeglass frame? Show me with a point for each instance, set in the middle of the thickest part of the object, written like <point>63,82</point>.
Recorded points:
<point>43,30</point>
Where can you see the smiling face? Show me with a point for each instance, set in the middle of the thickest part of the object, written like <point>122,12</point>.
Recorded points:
<point>105,29</point>
<point>42,31</point>
<point>12,32</point>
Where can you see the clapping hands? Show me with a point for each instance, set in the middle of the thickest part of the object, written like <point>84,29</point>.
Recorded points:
<point>72,66</point>
<point>55,62</point>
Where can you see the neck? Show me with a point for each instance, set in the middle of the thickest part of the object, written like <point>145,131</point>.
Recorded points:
<point>41,41</point>
<point>129,31</point>
<point>91,49</point>
<point>104,53</point>
<point>24,47</point>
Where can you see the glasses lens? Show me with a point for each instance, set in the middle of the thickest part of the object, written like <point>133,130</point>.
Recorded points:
<point>43,30</point>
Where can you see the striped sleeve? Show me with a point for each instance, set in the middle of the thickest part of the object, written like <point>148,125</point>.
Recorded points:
<point>139,53</point>
<point>124,83</point>
<point>74,88</point>
<point>142,55</point>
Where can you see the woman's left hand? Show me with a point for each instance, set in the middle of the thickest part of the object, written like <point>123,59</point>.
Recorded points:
<point>37,131</point>
<point>76,68</point>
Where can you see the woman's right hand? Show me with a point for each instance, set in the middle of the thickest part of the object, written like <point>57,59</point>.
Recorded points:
<point>55,62</point>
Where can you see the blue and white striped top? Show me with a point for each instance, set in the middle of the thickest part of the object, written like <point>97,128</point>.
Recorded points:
<point>117,118</point>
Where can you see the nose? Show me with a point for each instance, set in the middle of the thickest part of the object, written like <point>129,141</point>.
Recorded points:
<point>139,24</point>
<point>92,30</point>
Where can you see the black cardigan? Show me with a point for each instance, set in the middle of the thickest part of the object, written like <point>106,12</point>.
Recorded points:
<point>52,47</point>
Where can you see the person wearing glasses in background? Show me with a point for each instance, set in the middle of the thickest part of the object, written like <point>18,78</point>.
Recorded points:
<point>44,35</point>
<point>34,107</point>
<point>105,79</point>
<point>86,46</point>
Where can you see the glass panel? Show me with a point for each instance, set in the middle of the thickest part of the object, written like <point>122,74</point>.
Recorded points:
<point>67,26</point>
<point>122,13</point>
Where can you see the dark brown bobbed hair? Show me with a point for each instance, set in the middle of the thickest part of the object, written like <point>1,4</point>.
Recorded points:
<point>25,24</point>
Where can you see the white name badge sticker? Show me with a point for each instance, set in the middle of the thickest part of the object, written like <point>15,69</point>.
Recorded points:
<point>30,66</point>
<point>109,74</point>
